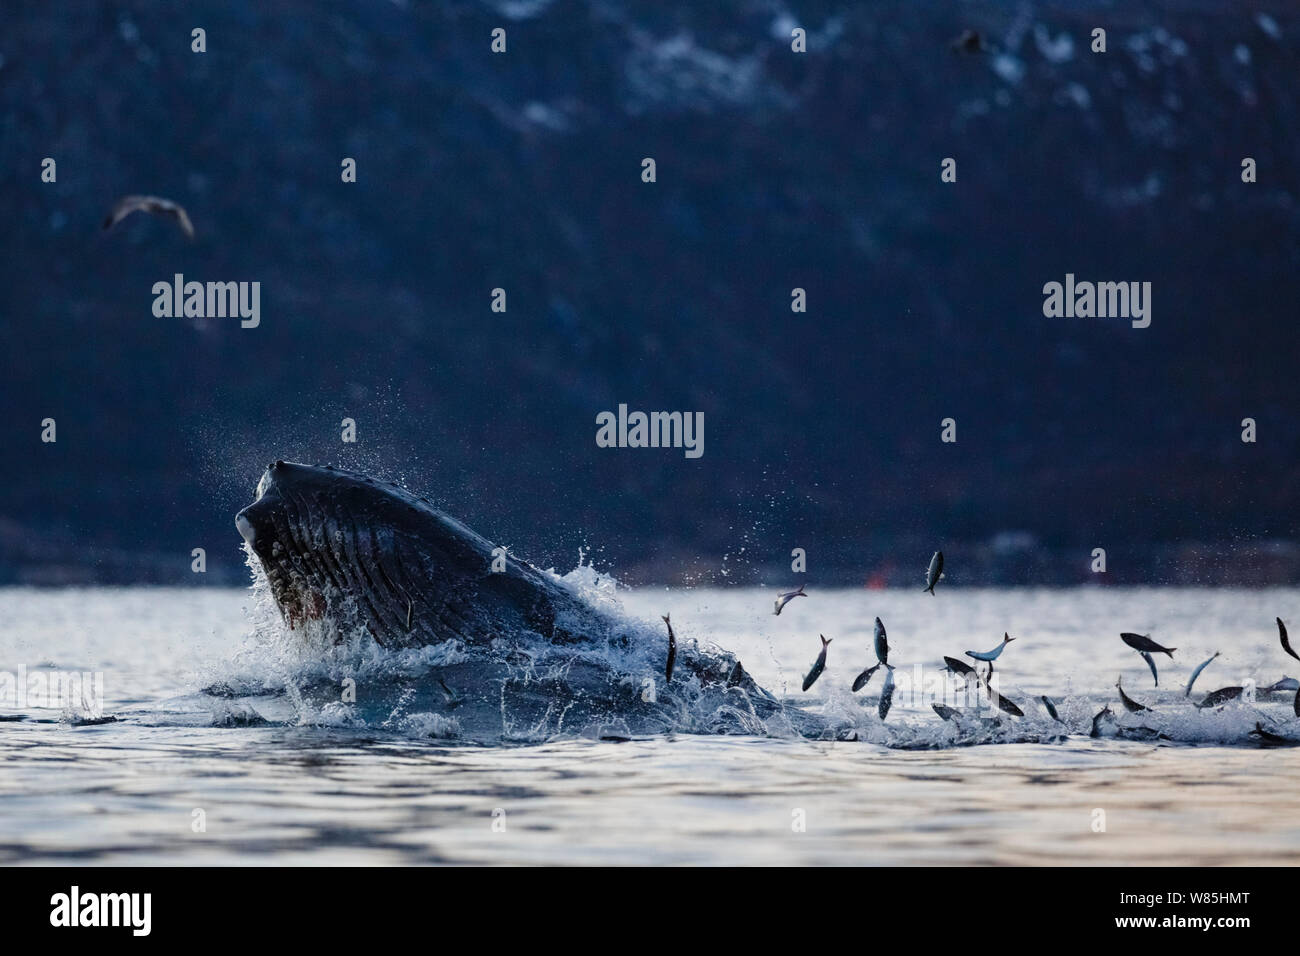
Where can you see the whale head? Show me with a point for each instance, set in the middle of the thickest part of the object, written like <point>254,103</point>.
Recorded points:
<point>357,551</point>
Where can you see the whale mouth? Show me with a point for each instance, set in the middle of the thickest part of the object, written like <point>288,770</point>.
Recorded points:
<point>284,529</point>
<point>361,552</point>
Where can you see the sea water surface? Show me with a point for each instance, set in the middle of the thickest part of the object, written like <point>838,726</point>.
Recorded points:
<point>260,776</point>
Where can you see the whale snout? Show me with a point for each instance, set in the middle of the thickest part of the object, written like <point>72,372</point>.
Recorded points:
<point>267,526</point>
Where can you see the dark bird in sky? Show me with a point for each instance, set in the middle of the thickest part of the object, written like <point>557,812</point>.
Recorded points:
<point>969,41</point>
<point>154,205</point>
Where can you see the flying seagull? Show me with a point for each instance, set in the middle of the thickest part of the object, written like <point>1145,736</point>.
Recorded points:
<point>154,205</point>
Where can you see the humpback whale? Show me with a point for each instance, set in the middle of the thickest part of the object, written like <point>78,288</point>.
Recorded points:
<point>495,647</point>
<point>352,555</point>
<point>344,546</point>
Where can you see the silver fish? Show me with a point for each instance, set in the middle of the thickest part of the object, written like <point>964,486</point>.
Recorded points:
<point>1051,708</point>
<point>887,695</point>
<point>1140,642</point>
<point>1002,703</point>
<point>1006,705</point>
<point>1197,673</point>
<point>1140,733</point>
<point>1096,721</point>
<point>882,643</point>
<point>787,597</point>
<point>993,654</point>
<point>672,652</point>
<point>1151,663</point>
<point>452,699</point>
<point>946,712</point>
<point>861,680</point>
<point>1220,696</point>
<point>1286,683</point>
<point>960,668</point>
<point>934,573</point>
<point>1129,703</point>
<point>1265,737</point>
<point>818,666</point>
<point>1286,644</point>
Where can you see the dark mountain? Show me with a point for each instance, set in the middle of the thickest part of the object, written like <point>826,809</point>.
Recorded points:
<point>775,170</point>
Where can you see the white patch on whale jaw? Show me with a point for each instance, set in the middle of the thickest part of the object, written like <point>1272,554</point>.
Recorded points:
<point>298,599</point>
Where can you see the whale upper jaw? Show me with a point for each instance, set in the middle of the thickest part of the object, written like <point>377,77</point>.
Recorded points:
<point>359,551</point>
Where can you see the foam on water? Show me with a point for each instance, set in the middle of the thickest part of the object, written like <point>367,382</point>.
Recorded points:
<point>520,690</point>
<point>542,691</point>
